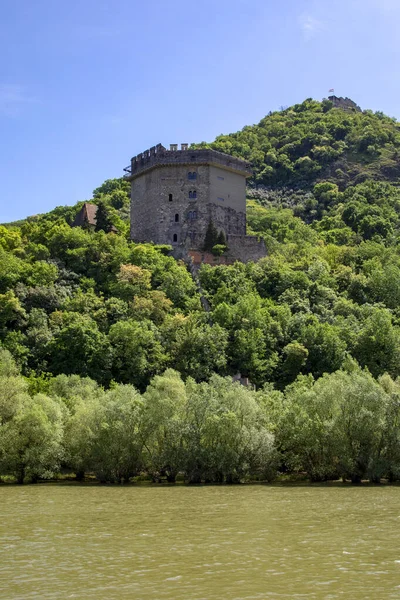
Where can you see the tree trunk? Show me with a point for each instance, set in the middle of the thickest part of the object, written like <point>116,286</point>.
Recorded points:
<point>195,478</point>
<point>21,475</point>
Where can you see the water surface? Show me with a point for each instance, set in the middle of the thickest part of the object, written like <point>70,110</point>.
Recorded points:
<point>208,543</point>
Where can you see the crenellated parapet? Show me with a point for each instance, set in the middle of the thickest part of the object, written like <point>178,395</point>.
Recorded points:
<point>159,156</point>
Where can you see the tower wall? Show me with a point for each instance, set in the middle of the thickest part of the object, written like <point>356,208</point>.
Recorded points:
<point>227,189</point>
<point>220,197</point>
<point>175,194</point>
<point>153,214</point>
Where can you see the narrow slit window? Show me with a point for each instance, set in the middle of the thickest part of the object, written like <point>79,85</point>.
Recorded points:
<point>176,218</point>
<point>175,238</point>
<point>170,197</point>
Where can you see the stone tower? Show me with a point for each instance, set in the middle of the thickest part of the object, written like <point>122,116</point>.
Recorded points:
<point>176,193</point>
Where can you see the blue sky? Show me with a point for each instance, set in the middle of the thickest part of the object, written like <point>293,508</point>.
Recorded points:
<point>86,84</point>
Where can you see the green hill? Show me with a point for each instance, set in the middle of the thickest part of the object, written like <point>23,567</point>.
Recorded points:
<point>314,141</point>
<point>315,324</point>
<point>69,298</point>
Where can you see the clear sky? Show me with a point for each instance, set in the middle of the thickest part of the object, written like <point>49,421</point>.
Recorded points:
<point>86,84</point>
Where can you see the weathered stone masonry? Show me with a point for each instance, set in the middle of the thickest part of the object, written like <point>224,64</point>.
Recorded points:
<point>176,193</point>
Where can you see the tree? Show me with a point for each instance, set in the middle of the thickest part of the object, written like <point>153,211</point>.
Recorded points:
<point>32,441</point>
<point>164,425</point>
<point>11,311</point>
<point>211,237</point>
<point>103,220</point>
<point>295,357</point>
<point>218,249</point>
<point>226,438</point>
<point>132,281</point>
<point>326,349</point>
<point>79,347</point>
<point>334,426</point>
<point>116,444</point>
<point>221,239</point>
<point>197,349</point>
<point>378,344</point>
<point>137,352</point>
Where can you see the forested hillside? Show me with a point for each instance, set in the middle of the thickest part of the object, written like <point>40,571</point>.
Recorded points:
<point>315,141</point>
<point>325,300</point>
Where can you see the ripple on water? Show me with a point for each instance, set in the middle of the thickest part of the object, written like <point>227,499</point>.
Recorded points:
<point>211,543</point>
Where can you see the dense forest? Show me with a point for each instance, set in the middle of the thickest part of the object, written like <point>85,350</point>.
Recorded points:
<point>314,141</point>
<point>109,364</point>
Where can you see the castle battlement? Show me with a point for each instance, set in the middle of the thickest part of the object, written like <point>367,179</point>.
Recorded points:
<point>159,156</point>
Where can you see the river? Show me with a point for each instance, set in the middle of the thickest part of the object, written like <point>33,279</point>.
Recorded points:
<point>208,543</point>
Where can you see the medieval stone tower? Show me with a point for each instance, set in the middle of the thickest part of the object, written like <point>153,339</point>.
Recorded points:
<point>176,193</point>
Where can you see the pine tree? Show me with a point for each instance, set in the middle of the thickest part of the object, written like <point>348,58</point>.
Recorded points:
<point>221,239</point>
<point>86,225</point>
<point>211,237</point>
<point>103,222</point>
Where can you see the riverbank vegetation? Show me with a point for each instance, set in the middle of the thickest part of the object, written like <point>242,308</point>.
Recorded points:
<point>342,425</point>
<point>110,365</point>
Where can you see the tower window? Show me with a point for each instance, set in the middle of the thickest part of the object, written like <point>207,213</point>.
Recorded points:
<point>192,175</point>
<point>192,235</point>
<point>192,194</point>
<point>175,238</point>
<point>176,218</point>
<point>192,214</point>
<point>170,197</point>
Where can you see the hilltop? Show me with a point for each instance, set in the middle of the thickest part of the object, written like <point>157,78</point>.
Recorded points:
<point>315,141</point>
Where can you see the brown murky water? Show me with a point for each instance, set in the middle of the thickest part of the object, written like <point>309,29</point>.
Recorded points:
<point>209,543</point>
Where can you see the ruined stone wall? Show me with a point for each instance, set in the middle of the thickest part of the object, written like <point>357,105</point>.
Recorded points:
<point>224,218</point>
<point>246,248</point>
<point>344,103</point>
<point>199,258</point>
